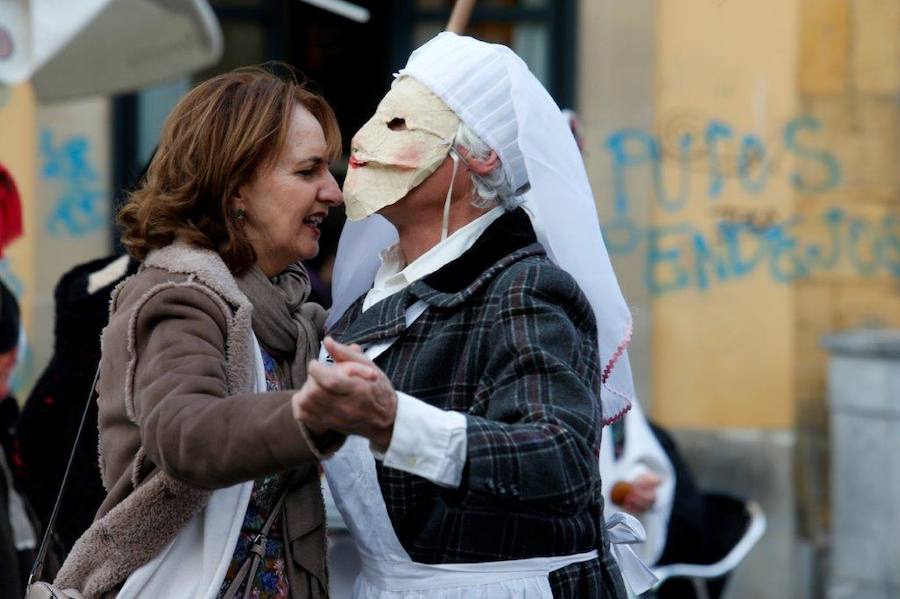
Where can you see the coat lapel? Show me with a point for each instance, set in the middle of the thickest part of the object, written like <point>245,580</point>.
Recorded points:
<point>507,240</point>
<point>384,320</point>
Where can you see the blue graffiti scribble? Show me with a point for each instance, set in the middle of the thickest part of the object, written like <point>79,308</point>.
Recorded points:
<point>826,160</point>
<point>79,209</point>
<point>681,257</point>
<point>629,148</point>
<point>636,154</point>
<point>715,131</point>
<point>753,151</point>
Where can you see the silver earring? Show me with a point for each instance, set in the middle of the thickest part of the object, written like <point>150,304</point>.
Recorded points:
<point>239,214</point>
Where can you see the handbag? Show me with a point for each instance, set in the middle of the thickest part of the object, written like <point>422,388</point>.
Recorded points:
<point>36,588</point>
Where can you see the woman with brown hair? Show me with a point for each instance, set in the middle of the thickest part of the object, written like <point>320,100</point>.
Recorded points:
<point>212,485</point>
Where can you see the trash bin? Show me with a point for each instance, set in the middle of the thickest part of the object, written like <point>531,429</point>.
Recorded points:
<point>864,403</point>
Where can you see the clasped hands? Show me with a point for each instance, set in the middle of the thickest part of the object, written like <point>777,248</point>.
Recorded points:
<point>352,396</point>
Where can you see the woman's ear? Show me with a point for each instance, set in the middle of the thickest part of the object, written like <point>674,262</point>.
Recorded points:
<point>237,207</point>
<point>477,166</point>
<point>239,199</point>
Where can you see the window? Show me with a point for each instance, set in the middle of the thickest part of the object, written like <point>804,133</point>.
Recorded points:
<point>542,32</point>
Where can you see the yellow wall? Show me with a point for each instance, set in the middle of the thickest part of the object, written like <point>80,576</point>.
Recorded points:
<point>18,152</point>
<point>59,158</point>
<point>772,227</point>
<point>615,93</point>
<point>849,78</point>
<point>723,344</point>
<point>72,208</point>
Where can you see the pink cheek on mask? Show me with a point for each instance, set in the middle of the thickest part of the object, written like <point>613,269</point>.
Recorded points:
<point>409,157</point>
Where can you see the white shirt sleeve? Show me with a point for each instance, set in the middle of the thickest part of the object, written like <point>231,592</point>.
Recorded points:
<point>427,441</point>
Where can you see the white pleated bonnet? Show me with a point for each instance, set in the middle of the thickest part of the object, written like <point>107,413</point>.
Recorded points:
<point>473,78</point>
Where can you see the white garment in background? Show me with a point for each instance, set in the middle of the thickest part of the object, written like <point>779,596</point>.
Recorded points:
<point>641,453</point>
<point>193,565</point>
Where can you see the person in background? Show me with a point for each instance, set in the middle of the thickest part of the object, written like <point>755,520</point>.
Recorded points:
<point>645,475</point>
<point>18,528</point>
<point>10,335</point>
<point>638,478</point>
<point>53,410</point>
<point>212,485</point>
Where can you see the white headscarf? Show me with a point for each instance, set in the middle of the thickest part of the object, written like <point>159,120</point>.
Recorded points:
<point>494,93</point>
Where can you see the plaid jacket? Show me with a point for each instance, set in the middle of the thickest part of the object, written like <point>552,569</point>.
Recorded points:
<point>509,340</point>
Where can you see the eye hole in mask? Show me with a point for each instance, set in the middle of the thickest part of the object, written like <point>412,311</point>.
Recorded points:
<point>397,124</point>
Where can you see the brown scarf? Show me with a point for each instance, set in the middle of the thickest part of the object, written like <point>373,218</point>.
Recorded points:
<point>287,328</point>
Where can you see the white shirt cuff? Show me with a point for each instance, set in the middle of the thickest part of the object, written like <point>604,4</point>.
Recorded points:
<point>427,441</point>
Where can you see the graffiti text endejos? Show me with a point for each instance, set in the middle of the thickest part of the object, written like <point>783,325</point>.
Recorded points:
<point>684,256</point>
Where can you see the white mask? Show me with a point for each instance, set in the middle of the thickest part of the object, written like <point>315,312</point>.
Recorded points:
<point>406,140</point>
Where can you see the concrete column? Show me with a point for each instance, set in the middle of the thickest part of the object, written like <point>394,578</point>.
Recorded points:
<point>864,401</point>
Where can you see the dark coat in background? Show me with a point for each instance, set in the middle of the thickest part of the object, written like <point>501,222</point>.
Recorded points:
<point>11,581</point>
<point>53,411</point>
<point>15,562</point>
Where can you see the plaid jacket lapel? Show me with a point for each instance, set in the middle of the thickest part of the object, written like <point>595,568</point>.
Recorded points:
<point>384,320</point>
<point>509,239</point>
<point>424,289</point>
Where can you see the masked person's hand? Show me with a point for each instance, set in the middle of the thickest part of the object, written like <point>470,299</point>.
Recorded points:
<point>352,396</point>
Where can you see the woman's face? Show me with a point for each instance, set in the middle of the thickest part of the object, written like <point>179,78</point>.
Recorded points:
<point>288,198</point>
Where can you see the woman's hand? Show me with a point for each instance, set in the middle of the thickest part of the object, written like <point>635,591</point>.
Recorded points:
<point>352,396</point>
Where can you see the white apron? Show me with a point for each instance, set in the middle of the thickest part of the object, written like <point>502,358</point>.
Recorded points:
<point>387,570</point>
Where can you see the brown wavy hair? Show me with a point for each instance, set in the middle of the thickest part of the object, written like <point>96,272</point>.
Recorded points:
<point>216,139</point>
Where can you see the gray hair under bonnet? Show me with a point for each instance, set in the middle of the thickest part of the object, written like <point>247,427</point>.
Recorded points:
<point>493,189</point>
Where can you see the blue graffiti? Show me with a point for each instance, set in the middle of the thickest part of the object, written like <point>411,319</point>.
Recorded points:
<point>79,209</point>
<point>633,150</point>
<point>680,256</point>
<point>753,151</point>
<point>714,132</point>
<point>827,162</point>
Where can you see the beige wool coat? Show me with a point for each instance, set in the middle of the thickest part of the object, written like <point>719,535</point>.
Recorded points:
<point>178,418</point>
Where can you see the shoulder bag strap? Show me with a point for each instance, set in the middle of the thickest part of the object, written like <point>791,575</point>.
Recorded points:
<point>255,553</point>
